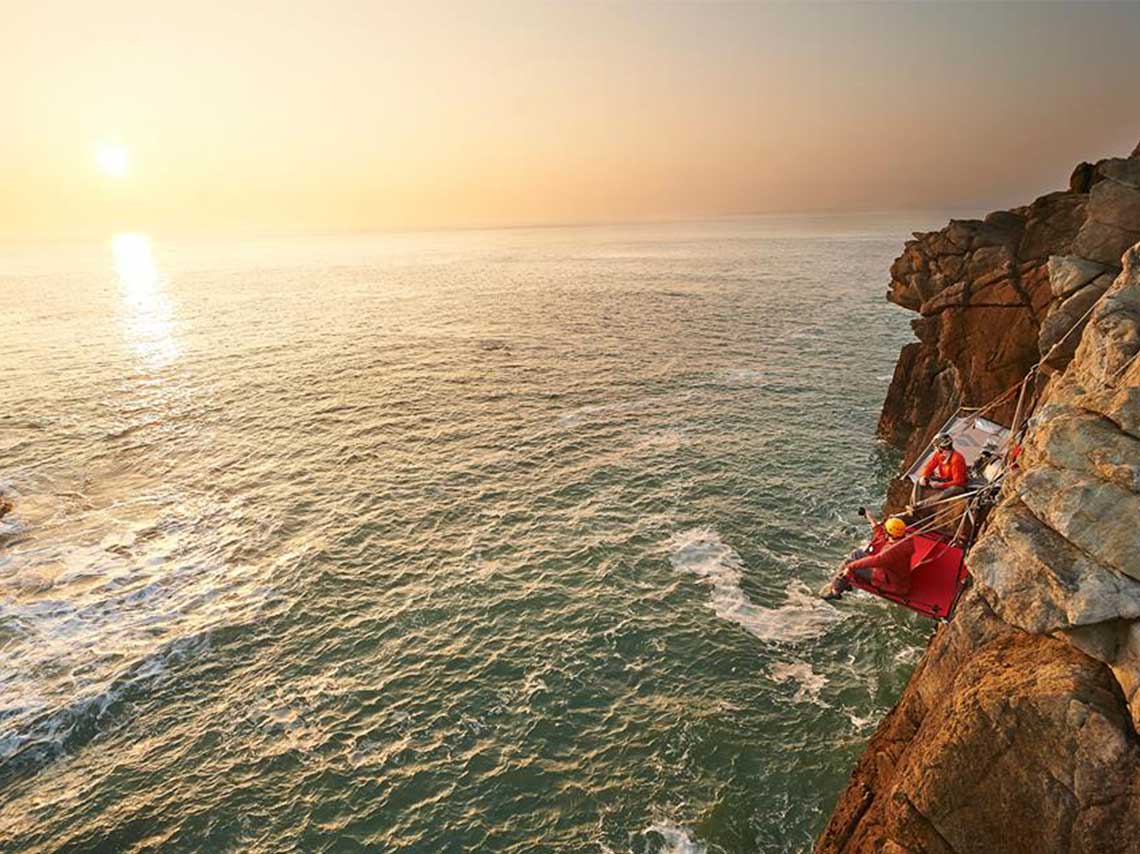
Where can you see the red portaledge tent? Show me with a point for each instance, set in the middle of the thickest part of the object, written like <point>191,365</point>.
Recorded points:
<point>938,575</point>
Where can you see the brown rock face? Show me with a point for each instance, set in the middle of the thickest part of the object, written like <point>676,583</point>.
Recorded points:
<point>997,295</point>
<point>1018,730</point>
<point>1081,180</point>
<point>1003,741</point>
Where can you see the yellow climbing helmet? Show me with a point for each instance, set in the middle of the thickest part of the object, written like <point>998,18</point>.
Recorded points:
<point>895,526</point>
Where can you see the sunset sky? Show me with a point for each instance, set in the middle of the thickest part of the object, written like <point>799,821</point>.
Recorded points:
<point>215,116</point>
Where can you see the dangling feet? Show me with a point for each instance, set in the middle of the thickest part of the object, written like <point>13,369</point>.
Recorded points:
<point>834,589</point>
<point>828,593</point>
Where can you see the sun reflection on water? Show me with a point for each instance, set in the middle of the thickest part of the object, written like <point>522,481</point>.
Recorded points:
<point>148,319</point>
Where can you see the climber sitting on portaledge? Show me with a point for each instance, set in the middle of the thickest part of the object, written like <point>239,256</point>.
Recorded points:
<point>943,476</point>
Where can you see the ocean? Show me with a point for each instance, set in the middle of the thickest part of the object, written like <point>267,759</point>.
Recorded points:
<point>438,542</point>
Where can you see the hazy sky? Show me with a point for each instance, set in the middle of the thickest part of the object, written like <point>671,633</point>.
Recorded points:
<point>376,115</point>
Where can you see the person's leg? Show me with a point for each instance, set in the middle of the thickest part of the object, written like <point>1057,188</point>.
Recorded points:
<point>835,588</point>
<point>842,582</point>
<point>923,495</point>
<point>931,496</point>
<point>919,498</point>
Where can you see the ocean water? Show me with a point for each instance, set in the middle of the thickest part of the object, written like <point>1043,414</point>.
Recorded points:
<point>468,541</point>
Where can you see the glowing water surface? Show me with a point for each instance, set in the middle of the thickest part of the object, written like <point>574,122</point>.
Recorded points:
<point>493,541</point>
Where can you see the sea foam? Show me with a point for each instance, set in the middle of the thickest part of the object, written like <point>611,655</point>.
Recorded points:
<point>673,840</point>
<point>802,616</point>
<point>809,683</point>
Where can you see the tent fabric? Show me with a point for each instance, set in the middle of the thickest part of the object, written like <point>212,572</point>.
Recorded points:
<point>970,434</point>
<point>938,575</point>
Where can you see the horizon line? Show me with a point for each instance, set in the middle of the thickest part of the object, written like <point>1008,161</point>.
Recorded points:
<point>252,230</point>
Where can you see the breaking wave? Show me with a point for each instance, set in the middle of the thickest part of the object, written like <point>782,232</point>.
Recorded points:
<point>664,838</point>
<point>802,616</point>
<point>809,684</point>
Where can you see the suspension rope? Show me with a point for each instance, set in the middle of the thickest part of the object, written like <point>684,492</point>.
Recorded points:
<point>986,407</point>
<point>1072,329</point>
<point>1122,368</point>
<point>937,520</point>
<point>923,505</point>
<point>1025,406</point>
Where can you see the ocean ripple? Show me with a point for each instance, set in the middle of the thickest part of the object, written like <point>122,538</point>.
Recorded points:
<point>495,541</point>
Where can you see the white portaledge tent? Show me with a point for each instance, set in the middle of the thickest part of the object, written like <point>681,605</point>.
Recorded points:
<point>972,436</point>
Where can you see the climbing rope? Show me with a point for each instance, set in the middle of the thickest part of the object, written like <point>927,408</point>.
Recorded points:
<point>937,520</point>
<point>1026,403</point>
<point>1072,329</point>
<point>1121,369</point>
<point>979,410</point>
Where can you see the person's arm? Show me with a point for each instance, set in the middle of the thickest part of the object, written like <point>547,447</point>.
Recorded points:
<point>869,562</point>
<point>928,469</point>
<point>958,476</point>
<point>871,520</point>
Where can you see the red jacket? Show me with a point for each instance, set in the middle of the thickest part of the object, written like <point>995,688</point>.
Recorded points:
<point>878,538</point>
<point>890,568</point>
<point>951,471</point>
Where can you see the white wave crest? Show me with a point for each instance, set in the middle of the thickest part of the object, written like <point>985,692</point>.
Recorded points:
<point>860,723</point>
<point>673,840</point>
<point>742,376</point>
<point>809,683</point>
<point>801,617</point>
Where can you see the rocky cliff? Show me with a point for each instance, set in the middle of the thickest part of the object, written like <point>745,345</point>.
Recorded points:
<point>995,295</point>
<point>1018,730</point>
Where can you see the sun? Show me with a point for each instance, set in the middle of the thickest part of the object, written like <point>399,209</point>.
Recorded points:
<point>113,160</point>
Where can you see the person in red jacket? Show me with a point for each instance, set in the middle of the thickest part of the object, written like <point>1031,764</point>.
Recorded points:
<point>888,568</point>
<point>943,476</point>
<point>876,542</point>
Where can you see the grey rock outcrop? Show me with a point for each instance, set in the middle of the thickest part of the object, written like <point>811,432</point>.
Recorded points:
<point>1060,331</point>
<point>1070,273</point>
<point>1039,581</point>
<point>1081,487</point>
